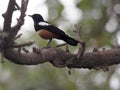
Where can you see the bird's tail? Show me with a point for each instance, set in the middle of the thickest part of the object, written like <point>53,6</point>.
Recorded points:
<point>70,41</point>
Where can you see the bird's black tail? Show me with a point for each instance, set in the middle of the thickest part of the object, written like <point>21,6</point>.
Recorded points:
<point>70,41</point>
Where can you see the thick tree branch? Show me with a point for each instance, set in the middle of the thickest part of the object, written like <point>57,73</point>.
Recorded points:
<point>55,56</point>
<point>60,58</point>
<point>7,24</point>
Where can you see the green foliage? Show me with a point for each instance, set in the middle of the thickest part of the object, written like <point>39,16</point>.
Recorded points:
<point>85,4</point>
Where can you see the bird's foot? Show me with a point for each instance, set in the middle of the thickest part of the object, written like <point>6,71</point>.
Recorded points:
<point>46,47</point>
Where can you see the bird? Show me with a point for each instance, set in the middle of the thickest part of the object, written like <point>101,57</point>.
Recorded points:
<point>48,31</point>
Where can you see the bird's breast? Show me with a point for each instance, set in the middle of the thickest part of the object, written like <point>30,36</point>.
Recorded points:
<point>45,34</point>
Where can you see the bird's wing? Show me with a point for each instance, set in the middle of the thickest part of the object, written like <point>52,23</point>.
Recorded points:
<point>52,28</point>
<point>44,24</point>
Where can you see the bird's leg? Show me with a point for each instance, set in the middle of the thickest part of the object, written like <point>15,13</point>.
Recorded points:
<point>48,44</point>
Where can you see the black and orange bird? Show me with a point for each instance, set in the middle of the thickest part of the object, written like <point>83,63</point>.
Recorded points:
<point>48,31</point>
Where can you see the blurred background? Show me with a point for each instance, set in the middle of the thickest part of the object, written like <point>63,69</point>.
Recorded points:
<point>100,21</point>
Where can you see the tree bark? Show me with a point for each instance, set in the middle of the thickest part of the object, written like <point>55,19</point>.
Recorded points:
<point>61,58</point>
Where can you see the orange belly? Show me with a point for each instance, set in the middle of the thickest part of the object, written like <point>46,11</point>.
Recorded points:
<point>46,34</point>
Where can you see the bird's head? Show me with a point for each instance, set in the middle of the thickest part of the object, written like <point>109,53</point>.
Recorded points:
<point>37,18</point>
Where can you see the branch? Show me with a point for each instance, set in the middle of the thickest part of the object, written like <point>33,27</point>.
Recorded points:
<point>23,9</point>
<point>8,35</point>
<point>21,45</point>
<point>35,57</point>
<point>8,32</point>
<point>8,16</point>
<point>60,58</point>
<point>55,56</point>
<point>20,21</point>
<point>7,24</point>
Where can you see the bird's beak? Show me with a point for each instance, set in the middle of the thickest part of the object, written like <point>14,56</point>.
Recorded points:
<point>30,15</point>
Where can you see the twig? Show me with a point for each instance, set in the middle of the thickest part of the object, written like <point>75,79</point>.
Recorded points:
<point>67,49</point>
<point>37,51</point>
<point>81,43</point>
<point>21,45</point>
<point>95,50</point>
<point>60,45</point>
<point>25,50</point>
<point>81,50</point>
<point>2,56</point>
<point>17,36</point>
<point>17,6</point>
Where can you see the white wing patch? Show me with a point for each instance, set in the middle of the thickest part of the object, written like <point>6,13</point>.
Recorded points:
<point>44,24</point>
